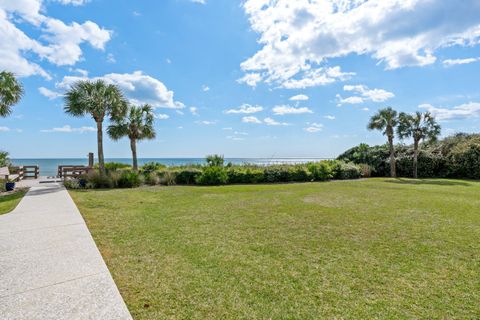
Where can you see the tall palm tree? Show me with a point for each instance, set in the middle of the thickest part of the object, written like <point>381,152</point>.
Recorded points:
<point>137,126</point>
<point>99,100</point>
<point>11,91</point>
<point>420,127</point>
<point>386,120</point>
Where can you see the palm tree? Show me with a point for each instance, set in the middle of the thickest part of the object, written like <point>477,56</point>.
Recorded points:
<point>137,126</point>
<point>11,91</point>
<point>420,127</point>
<point>99,100</point>
<point>386,120</point>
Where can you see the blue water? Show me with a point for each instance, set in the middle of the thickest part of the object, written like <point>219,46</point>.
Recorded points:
<point>48,167</point>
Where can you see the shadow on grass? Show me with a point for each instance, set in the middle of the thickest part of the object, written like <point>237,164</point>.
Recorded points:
<point>435,182</point>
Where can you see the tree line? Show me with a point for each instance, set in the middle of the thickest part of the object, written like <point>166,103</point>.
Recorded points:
<point>418,126</point>
<point>99,100</point>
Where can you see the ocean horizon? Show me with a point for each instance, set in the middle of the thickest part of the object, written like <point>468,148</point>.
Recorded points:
<point>49,166</point>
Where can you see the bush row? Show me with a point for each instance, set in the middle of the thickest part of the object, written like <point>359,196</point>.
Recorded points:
<point>457,156</point>
<point>219,175</point>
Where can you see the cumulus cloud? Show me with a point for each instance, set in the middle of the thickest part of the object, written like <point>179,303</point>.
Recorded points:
<point>364,94</point>
<point>138,87</point>
<point>245,109</point>
<point>460,112</point>
<point>193,111</point>
<point>283,110</point>
<point>161,116</point>
<point>251,119</point>
<point>454,62</point>
<point>69,129</point>
<point>206,122</point>
<point>314,127</point>
<point>199,1</point>
<point>329,117</point>
<point>299,38</point>
<point>50,94</point>
<point>272,122</point>
<point>57,42</point>
<point>300,97</point>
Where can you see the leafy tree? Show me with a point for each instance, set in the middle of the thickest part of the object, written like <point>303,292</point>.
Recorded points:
<point>99,100</point>
<point>11,91</point>
<point>4,159</point>
<point>386,120</point>
<point>420,127</point>
<point>137,126</point>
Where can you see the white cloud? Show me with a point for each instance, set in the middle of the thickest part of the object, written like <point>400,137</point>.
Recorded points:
<point>73,2</point>
<point>464,111</point>
<point>69,129</point>
<point>227,129</point>
<point>283,110</point>
<point>298,38</point>
<point>49,93</point>
<point>193,111</point>
<point>453,62</point>
<point>245,109</point>
<point>272,122</point>
<point>111,58</point>
<point>251,79</point>
<point>205,88</point>
<point>199,1</point>
<point>300,97</point>
<point>314,127</point>
<point>138,87</point>
<point>329,117</point>
<point>162,116</point>
<point>206,122</point>
<point>4,129</point>
<point>251,119</point>
<point>235,138</point>
<point>365,94</point>
<point>56,41</point>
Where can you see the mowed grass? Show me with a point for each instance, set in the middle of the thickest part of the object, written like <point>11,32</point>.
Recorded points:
<point>371,249</point>
<point>10,201</point>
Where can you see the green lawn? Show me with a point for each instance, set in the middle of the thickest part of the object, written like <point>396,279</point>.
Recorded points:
<point>10,201</point>
<point>378,248</point>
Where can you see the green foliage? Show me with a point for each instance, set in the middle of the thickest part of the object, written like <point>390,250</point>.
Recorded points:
<point>11,91</point>
<point>168,177</point>
<point>320,171</point>
<point>187,176</point>
<point>130,179</point>
<point>215,160</point>
<point>245,175</point>
<point>213,176</point>
<point>4,159</point>
<point>152,178</point>
<point>345,170</point>
<point>97,180</point>
<point>152,167</point>
<point>115,166</point>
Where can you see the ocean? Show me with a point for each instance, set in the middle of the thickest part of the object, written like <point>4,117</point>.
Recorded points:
<point>49,167</point>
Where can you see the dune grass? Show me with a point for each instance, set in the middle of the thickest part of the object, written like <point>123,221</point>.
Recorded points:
<point>371,249</point>
<point>9,202</point>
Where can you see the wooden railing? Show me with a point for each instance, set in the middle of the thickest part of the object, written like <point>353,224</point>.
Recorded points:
<point>66,172</point>
<point>31,172</point>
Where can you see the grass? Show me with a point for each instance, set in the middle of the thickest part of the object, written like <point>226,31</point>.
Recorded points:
<point>377,248</point>
<point>10,201</point>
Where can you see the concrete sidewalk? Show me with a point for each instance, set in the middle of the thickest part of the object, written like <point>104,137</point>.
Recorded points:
<point>50,267</point>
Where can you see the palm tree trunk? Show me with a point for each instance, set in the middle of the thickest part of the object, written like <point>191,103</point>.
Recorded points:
<point>101,160</point>
<point>133,146</point>
<point>415,159</point>
<point>393,167</point>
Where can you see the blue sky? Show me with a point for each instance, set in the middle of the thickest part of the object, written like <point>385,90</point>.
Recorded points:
<point>255,78</point>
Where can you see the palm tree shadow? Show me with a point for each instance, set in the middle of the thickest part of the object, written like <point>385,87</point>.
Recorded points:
<point>436,182</point>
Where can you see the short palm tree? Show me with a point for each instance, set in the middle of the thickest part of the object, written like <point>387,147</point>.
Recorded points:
<point>11,91</point>
<point>137,126</point>
<point>99,100</point>
<point>420,127</point>
<point>386,120</point>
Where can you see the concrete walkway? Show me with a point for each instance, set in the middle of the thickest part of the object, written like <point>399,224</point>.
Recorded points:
<point>50,267</point>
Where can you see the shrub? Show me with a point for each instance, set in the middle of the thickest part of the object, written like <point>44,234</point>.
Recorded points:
<point>212,176</point>
<point>96,180</point>
<point>4,159</point>
<point>365,170</point>
<point>130,179</point>
<point>343,170</point>
<point>215,160</point>
<point>320,171</point>
<point>276,174</point>
<point>152,167</point>
<point>167,177</point>
<point>237,174</point>
<point>72,184</point>
<point>152,179</point>
<point>114,166</point>
<point>187,176</point>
